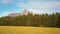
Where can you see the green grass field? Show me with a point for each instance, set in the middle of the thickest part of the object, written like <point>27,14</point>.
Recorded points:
<point>28,30</point>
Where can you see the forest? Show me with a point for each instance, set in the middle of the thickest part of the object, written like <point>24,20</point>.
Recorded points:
<point>36,20</point>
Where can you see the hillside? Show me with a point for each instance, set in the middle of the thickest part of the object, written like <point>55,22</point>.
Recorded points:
<point>43,20</point>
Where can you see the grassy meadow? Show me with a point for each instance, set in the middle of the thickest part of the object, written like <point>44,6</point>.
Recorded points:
<point>28,30</point>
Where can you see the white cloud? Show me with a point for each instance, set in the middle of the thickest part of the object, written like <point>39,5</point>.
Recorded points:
<point>35,5</point>
<point>42,6</point>
<point>6,1</point>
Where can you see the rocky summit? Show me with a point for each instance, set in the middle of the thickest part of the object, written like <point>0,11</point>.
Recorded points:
<point>25,12</point>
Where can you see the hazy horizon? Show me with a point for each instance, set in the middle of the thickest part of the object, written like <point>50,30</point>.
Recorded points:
<point>36,6</point>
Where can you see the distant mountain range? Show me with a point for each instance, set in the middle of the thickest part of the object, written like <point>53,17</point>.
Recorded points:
<point>25,12</point>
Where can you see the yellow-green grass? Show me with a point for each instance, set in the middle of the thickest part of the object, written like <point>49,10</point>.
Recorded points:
<point>28,30</point>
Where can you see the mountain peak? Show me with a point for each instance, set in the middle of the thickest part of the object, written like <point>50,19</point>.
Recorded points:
<point>25,12</point>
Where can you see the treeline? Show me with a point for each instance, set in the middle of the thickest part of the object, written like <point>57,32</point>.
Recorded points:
<point>43,20</point>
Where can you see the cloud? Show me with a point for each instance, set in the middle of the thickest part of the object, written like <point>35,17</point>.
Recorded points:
<point>6,1</point>
<point>36,5</point>
<point>41,6</point>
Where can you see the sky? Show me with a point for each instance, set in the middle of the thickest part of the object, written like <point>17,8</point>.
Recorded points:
<point>36,6</point>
